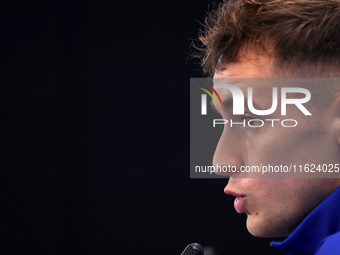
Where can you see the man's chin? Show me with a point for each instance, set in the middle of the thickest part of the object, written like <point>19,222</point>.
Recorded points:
<point>266,230</point>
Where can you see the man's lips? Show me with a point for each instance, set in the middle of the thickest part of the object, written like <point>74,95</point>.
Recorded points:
<point>239,202</point>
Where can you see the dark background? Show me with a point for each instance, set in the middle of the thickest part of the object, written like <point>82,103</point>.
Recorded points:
<point>95,132</point>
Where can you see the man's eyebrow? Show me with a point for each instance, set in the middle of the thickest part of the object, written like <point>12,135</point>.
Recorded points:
<point>228,103</point>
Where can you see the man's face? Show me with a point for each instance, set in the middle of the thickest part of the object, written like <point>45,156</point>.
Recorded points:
<point>275,206</point>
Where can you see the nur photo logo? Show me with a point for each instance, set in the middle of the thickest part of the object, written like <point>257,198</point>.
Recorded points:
<point>204,97</point>
<point>239,101</point>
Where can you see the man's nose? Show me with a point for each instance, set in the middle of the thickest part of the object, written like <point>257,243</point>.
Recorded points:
<point>228,157</point>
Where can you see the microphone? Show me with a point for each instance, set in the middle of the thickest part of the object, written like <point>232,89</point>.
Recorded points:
<point>193,249</point>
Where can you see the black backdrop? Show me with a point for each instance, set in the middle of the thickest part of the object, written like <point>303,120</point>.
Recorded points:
<point>96,132</point>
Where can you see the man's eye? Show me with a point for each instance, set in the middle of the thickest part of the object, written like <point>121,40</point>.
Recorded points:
<point>252,122</point>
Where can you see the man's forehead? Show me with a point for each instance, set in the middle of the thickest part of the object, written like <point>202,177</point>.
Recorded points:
<point>257,84</point>
<point>247,67</point>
